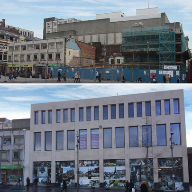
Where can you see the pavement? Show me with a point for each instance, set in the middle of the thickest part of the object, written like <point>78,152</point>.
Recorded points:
<point>54,80</point>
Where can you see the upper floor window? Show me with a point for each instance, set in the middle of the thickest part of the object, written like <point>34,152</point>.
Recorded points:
<point>146,135</point>
<point>18,140</point>
<point>59,140</point>
<point>48,141</point>
<point>81,114</point>
<point>70,140</point>
<point>161,135</point>
<point>133,136</point>
<point>96,113</point>
<point>113,111</point>
<point>167,107</point>
<point>50,116</point>
<point>42,117</point>
<point>107,138</point>
<point>65,115</point>
<point>58,116</point>
<point>130,110</point>
<point>148,108</point>
<point>37,141</point>
<point>7,140</point>
<point>121,110</point>
<point>36,117</point>
<point>139,109</point>
<point>120,137</point>
<point>158,107</point>
<point>83,139</point>
<point>88,113</point>
<point>72,115</point>
<point>105,112</point>
<point>176,137</point>
<point>95,139</point>
<point>176,106</point>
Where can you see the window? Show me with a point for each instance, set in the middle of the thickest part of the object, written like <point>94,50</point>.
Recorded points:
<point>59,140</point>
<point>72,115</point>
<point>146,135</point>
<point>95,139</point>
<point>167,107</point>
<point>113,111</point>
<point>4,155</point>
<point>139,109</point>
<point>48,141</point>
<point>7,140</point>
<point>49,116</point>
<point>80,114</point>
<point>133,136</point>
<point>121,110</point>
<point>176,137</point>
<point>83,139</point>
<point>16,155</point>
<point>105,112</point>
<point>107,138</point>
<point>120,137</point>
<point>88,113</point>
<point>58,114</point>
<point>161,135</point>
<point>42,117</point>
<point>96,113</point>
<point>37,141</point>
<point>148,108</point>
<point>18,140</point>
<point>65,115</point>
<point>36,117</point>
<point>158,107</point>
<point>70,140</point>
<point>130,110</point>
<point>176,106</point>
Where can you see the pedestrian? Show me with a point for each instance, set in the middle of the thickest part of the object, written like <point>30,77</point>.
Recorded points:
<point>64,185</point>
<point>28,182</point>
<point>167,78</point>
<point>59,75</point>
<point>164,79</point>
<point>64,76</point>
<point>170,79</point>
<point>131,186</point>
<point>36,182</point>
<point>97,76</point>
<point>123,78</point>
<point>144,187</point>
<point>100,76</point>
<point>178,79</point>
<point>18,181</point>
<point>51,74</point>
<point>127,186</point>
<point>76,77</point>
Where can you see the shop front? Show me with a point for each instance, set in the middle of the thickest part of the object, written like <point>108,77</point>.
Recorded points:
<point>21,68</point>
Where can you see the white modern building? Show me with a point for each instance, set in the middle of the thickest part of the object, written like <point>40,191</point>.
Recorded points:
<point>120,138</point>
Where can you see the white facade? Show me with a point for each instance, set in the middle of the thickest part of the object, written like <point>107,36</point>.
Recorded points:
<point>126,154</point>
<point>110,15</point>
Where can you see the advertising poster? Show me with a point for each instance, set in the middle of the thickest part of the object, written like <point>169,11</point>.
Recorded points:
<point>89,173</point>
<point>152,73</point>
<point>95,138</point>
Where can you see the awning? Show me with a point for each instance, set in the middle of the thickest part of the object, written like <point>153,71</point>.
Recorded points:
<point>12,167</point>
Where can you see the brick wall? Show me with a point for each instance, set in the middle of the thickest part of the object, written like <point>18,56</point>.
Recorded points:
<point>13,30</point>
<point>2,23</point>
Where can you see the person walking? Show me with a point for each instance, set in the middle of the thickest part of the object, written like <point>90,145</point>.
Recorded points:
<point>28,182</point>
<point>123,78</point>
<point>178,79</point>
<point>64,76</point>
<point>131,186</point>
<point>59,75</point>
<point>97,76</point>
<point>127,186</point>
<point>144,187</point>
<point>36,182</point>
<point>64,185</point>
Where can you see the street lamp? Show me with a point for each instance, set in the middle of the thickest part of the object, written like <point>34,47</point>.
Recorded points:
<point>172,143</point>
<point>77,161</point>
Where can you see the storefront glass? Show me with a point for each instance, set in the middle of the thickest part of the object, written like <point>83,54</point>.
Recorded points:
<point>65,169</point>
<point>166,171</point>
<point>89,173</point>
<point>114,173</point>
<point>42,170</point>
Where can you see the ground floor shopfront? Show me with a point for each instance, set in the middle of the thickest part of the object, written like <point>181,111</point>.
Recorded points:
<point>113,173</point>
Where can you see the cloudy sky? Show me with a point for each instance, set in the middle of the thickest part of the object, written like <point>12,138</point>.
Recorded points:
<point>15,99</point>
<point>29,14</point>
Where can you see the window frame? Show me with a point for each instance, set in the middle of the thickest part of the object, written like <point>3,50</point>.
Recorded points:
<point>139,111</point>
<point>105,112</point>
<point>130,110</point>
<point>113,113</point>
<point>121,112</point>
<point>104,138</point>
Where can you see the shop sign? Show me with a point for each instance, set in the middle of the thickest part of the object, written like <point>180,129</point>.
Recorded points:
<point>170,67</point>
<point>11,167</point>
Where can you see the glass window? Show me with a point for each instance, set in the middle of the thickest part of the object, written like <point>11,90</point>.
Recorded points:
<point>95,139</point>
<point>158,107</point>
<point>70,140</point>
<point>130,110</point>
<point>96,113</point>
<point>88,113</point>
<point>18,140</point>
<point>148,108</point>
<point>176,106</point>
<point>36,117</point>
<point>105,112</point>
<point>146,135</point>
<point>80,114</point>
<point>161,135</point>
<point>139,109</point>
<point>176,137</point>
<point>167,107</point>
<point>113,111</point>
<point>65,115</point>
<point>37,141</point>
<point>72,115</point>
<point>59,140</point>
<point>7,140</point>
<point>107,138</point>
<point>58,115</point>
<point>16,155</point>
<point>4,155</point>
<point>83,139</point>
<point>133,137</point>
<point>120,137</point>
<point>48,141</point>
<point>50,116</point>
<point>121,110</point>
<point>42,117</point>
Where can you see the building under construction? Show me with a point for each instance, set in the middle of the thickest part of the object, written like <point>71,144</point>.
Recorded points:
<point>154,47</point>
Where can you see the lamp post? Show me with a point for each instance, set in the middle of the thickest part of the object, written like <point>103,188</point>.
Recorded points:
<point>2,141</point>
<point>172,143</point>
<point>77,161</point>
<point>148,60</point>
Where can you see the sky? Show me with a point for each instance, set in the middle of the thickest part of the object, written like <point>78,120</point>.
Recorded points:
<point>16,99</point>
<point>30,14</point>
